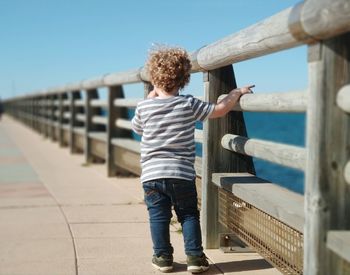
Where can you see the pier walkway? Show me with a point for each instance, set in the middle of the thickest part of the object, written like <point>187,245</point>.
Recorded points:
<point>59,216</point>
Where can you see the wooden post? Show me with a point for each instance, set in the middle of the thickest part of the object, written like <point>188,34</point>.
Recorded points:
<point>216,159</point>
<point>72,122</point>
<point>89,113</point>
<point>60,119</point>
<point>147,88</point>
<point>53,118</point>
<point>112,131</point>
<point>327,204</point>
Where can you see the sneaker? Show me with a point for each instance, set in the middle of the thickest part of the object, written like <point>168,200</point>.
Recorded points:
<point>197,264</point>
<point>163,263</point>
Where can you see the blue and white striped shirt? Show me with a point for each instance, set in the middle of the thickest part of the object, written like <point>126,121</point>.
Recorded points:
<point>167,128</point>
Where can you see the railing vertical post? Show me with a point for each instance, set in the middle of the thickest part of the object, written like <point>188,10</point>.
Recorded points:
<point>89,95</point>
<point>60,119</point>
<point>327,204</point>
<point>45,112</point>
<point>72,121</point>
<point>112,131</point>
<point>147,87</point>
<point>53,117</point>
<point>216,159</point>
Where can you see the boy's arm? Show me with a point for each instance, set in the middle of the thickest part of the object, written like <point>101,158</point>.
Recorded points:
<point>227,103</point>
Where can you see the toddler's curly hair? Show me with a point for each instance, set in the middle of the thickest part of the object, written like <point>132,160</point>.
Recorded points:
<point>169,68</point>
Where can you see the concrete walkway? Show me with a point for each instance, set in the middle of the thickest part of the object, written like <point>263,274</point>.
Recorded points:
<point>58,216</point>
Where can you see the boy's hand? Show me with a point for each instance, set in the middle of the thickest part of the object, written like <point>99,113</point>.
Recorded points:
<point>246,89</point>
<point>152,94</point>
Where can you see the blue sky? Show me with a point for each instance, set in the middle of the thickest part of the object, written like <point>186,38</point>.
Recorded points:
<point>50,43</point>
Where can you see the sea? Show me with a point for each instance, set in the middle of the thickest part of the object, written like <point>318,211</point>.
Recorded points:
<point>287,128</point>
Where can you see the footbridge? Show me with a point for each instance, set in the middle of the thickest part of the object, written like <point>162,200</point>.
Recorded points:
<point>77,208</point>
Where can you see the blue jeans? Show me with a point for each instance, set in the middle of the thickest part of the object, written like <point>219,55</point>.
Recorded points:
<point>160,196</point>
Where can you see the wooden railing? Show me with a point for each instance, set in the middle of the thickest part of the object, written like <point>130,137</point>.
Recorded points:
<point>288,229</point>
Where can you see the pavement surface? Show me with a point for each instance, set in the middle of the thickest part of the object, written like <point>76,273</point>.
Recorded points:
<point>59,216</point>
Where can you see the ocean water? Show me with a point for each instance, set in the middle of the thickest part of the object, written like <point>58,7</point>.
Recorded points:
<point>277,127</point>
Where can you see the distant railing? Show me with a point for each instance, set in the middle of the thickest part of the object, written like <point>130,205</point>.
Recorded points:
<point>280,224</point>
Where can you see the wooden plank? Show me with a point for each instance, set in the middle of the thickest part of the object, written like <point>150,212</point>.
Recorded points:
<point>123,123</point>
<point>98,136</point>
<point>289,102</point>
<point>343,98</point>
<point>278,202</point>
<point>80,102</point>
<point>127,143</point>
<point>339,242</point>
<point>198,136</point>
<point>79,130</point>
<point>347,172</point>
<point>215,159</point>
<point>98,148</point>
<point>120,78</point>
<point>328,136</point>
<point>127,102</point>
<point>317,19</point>
<point>99,120</point>
<point>81,117</point>
<point>98,103</point>
<point>287,155</point>
<point>127,159</point>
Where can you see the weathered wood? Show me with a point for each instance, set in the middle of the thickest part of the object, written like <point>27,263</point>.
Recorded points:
<point>52,117</point>
<point>127,102</point>
<point>127,160</point>
<point>327,203</point>
<point>117,113</point>
<point>347,172</point>
<point>89,126</point>
<point>61,98</point>
<point>114,93</point>
<point>99,120</point>
<point>339,242</point>
<point>127,143</point>
<point>123,123</point>
<point>128,77</point>
<point>98,103</point>
<point>278,202</point>
<point>75,95</point>
<point>317,19</point>
<point>80,102</point>
<point>147,86</point>
<point>98,148</point>
<point>81,117</point>
<point>215,159</point>
<point>287,155</point>
<point>343,98</point>
<point>290,102</point>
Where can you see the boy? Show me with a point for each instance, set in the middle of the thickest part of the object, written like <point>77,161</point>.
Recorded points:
<point>166,122</point>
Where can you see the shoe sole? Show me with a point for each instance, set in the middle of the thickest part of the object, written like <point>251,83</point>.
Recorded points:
<point>164,269</point>
<point>197,269</point>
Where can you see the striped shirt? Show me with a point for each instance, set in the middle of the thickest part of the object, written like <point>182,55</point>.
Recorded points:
<point>167,128</point>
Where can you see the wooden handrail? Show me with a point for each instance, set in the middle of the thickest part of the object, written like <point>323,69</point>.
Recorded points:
<point>287,155</point>
<point>289,102</point>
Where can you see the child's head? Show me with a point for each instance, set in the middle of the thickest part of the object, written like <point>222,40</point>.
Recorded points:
<point>169,68</point>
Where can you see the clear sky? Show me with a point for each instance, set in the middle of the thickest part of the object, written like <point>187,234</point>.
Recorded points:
<point>46,43</point>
